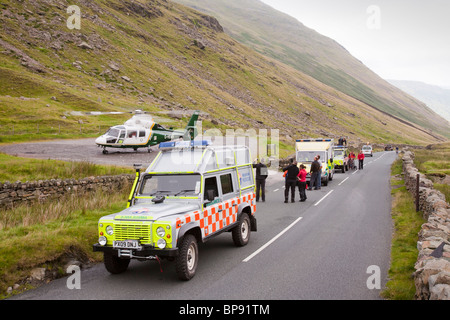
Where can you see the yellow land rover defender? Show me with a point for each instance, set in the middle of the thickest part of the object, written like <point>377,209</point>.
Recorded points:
<point>190,193</point>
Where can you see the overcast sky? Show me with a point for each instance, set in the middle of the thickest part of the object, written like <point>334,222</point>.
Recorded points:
<point>397,39</point>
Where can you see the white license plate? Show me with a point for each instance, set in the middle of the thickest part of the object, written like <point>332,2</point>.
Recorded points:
<point>127,244</point>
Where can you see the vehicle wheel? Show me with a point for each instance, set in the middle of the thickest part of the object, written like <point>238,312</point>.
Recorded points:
<point>187,259</point>
<point>241,233</point>
<point>114,264</point>
<point>105,151</point>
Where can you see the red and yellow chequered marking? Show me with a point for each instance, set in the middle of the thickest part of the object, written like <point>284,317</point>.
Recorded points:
<point>217,217</point>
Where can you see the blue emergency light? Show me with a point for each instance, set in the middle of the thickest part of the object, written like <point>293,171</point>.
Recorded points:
<point>165,145</point>
<point>183,144</point>
<point>313,140</point>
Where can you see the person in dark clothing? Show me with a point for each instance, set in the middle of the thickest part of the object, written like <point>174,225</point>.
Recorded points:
<point>342,141</point>
<point>314,171</point>
<point>291,180</point>
<point>261,176</point>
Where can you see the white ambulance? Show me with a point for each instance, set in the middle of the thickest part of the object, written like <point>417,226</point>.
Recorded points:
<point>307,149</point>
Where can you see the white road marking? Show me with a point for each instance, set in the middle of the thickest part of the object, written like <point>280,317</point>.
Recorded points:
<point>276,190</point>
<point>355,171</point>
<point>271,241</point>
<point>323,198</point>
<point>343,181</point>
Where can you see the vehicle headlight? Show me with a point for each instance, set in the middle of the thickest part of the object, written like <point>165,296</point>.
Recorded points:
<point>160,232</point>
<point>161,243</point>
<point>102,241</point>
<point>109,230</point>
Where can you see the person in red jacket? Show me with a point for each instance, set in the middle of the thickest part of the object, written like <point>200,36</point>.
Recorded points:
<point>302,183</point>
<point>351,161</point>
<point>361,160</point>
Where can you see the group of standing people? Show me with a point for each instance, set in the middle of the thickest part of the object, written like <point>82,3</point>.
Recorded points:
<point>352,158</point>
<point>296,177</point>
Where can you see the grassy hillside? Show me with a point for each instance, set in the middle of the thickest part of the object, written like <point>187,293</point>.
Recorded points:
<point>160,56</point>
<point>435,97</point>
<point>282,37</point>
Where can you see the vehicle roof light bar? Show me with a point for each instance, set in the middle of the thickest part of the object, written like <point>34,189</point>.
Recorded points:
<point>313,140</point>
<point>183,144</point>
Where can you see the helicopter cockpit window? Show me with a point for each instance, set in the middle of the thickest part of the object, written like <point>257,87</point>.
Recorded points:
<point>141,134</point>
<point>113,132</point>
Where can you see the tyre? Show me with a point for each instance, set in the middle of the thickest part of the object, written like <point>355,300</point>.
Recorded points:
<point>114,264</point>
<point>241,233</point>
<point>187,260</point>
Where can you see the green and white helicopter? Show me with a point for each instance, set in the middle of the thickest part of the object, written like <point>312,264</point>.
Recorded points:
<point>141,131</point>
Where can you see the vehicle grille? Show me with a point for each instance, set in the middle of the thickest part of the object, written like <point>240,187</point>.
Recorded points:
<point>133,232</point>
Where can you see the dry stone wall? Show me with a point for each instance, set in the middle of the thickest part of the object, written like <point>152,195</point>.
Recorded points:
<point>432,275</point>
<point>13,194</point>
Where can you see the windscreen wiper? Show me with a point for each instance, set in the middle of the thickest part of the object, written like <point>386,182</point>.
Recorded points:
<point>159,191</point>
<point>184,191</point>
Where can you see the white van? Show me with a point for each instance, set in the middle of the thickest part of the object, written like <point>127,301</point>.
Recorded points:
<point>367,150</point>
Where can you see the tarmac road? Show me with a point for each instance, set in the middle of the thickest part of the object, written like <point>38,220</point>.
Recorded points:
<point>80,150</point>
<point>324,248</point>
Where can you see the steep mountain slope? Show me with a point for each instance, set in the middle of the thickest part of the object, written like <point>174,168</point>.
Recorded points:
<point>162,57</point>
<point>282,37</point>
<point>435,97</point>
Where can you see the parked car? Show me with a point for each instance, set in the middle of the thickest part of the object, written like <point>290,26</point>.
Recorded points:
<point>340,158</point>
<point>191,193</point>
<point>367,150</point>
